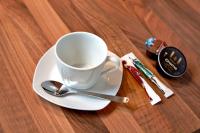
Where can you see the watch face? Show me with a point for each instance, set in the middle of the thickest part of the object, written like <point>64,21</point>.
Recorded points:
<point>172,62</point>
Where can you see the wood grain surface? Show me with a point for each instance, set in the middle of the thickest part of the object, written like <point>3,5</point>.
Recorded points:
<point>28,28</point>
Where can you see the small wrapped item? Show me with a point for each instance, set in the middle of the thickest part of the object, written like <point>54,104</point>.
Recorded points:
<point>171,62</point>
<point>162,87</point>
<point>154,46</point>
<point>127,63</point>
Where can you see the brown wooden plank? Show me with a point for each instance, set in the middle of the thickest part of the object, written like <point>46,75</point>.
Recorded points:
<point>19,64</point>
<point>85,121</point>
<point>47,19</point>
<point>12,103</point>
<point>28,28</point>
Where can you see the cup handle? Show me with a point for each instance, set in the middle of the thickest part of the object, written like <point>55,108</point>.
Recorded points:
<point>115,60</point>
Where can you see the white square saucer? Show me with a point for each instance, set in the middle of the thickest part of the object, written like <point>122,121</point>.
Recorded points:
<point>46,69</point>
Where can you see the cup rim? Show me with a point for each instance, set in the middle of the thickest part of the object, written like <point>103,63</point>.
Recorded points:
<point>79,32</point>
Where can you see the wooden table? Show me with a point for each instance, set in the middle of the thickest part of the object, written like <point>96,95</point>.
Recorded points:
<point>29,28</point>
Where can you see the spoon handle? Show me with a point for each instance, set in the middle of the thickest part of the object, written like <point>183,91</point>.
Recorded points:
<point>117,99</point>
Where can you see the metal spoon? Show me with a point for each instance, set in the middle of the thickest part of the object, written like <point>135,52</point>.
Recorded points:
<point>56,88</point>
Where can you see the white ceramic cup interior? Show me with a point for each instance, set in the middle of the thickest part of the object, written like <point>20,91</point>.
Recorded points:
<point>81,50</point>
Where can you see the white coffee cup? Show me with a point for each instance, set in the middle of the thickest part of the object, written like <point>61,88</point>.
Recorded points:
<point>81,57</point>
